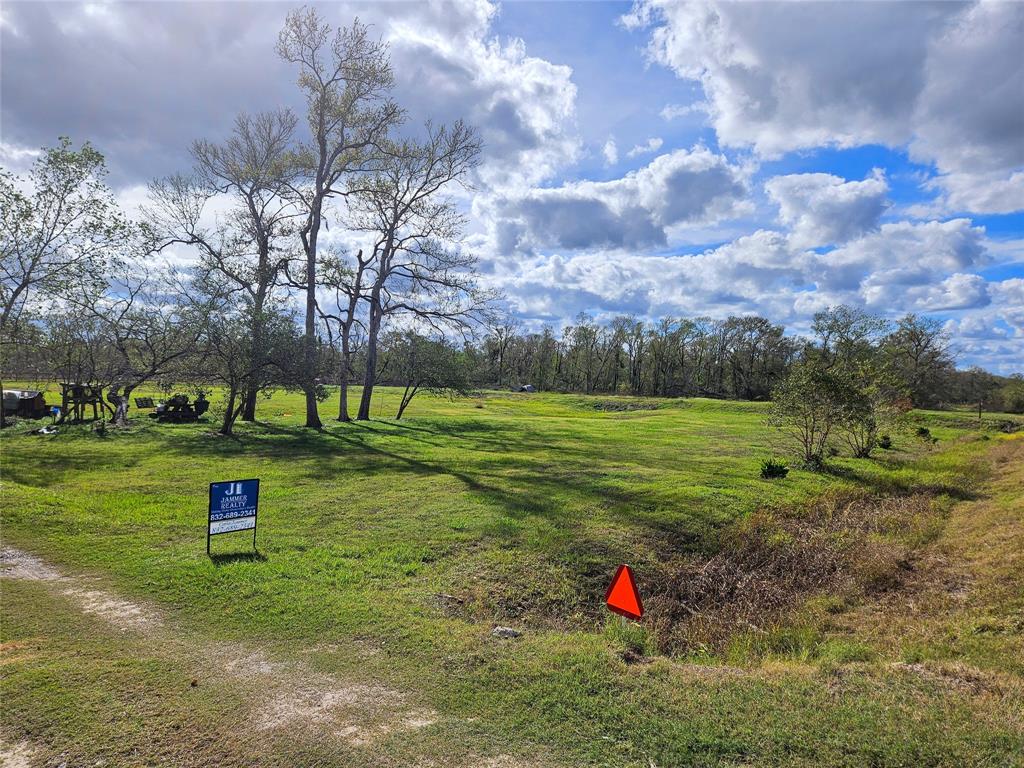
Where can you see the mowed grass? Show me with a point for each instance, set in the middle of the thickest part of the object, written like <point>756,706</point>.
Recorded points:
<point>519,506</point>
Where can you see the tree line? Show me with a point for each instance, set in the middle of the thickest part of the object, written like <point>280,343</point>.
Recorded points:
<point>738,358</point>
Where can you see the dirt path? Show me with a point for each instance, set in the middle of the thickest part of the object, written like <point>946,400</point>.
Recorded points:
<point>287,695</point>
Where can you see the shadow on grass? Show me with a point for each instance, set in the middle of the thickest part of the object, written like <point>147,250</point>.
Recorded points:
<point>898,486</point>
<point>227,558</point>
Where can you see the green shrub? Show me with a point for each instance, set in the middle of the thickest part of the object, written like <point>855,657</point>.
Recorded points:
<point>885,442</point>
<point>770,469</point>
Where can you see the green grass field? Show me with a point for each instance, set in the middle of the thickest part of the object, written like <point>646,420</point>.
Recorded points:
<point>388,551</point>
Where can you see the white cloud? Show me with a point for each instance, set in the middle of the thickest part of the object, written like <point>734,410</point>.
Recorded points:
<point>450,66</point>
<point>901,253</point>
<point>992,192</point>
<point>958,291</point>
<point>15,158</point>
<point>447,60</point>
<point>943,78</point>
<point>610,151</point>
<point>682,187</point>
<point>650,146</point>
<point>822,209</point>
<point>673,111</point>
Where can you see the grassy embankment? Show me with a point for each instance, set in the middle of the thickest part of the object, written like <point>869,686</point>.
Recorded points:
<point>388,551</point>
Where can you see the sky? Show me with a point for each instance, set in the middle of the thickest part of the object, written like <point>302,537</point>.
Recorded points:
<point>650,158</point>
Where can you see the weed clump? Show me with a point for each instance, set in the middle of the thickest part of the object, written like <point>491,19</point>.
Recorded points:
<point>770,469</point>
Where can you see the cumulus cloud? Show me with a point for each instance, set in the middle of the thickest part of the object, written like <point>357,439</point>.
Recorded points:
<point>902,267</point>
<point>901,254</point>
<point>447,62</point>
<point>822,209</point>
<point>944,78</point>
<point>680,187</point>
<point>650,146</point>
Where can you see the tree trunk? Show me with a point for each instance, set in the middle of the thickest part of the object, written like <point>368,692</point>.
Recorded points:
<point>229,414</point>
<point>370,375</point>
<point>309,340</point>
<point>256,357</point>
<point>407,397</point>
<point>345,373</point>
<point>120,417</point>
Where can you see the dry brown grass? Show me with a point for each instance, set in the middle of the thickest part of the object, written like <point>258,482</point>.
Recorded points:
<point>772,562</point>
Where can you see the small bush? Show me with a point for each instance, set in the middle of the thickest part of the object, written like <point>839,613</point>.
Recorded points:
<point>770,469</point>
<point>885,442</point>
<point>924,433</point>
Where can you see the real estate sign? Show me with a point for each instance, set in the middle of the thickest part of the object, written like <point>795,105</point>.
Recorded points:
<point>233,507</point>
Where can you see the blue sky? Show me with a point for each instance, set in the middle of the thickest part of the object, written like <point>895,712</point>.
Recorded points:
<point>651,158</point>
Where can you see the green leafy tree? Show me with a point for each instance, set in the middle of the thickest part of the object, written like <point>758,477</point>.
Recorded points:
<point>59,227</point>
<point>810,404</point>
<point>419,364</point>
<point>1012,394</point>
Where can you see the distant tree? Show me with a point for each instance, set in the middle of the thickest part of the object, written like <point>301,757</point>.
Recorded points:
<point>502,335</point>
<point>982,389</point>
<point>345,77</point>
<point>810,403</point>
<point>847,336</point>
<point>919,351</point>
<point>1012,394</point>
<point>419,364</point>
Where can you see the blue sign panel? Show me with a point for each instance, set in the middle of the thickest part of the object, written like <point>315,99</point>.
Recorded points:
<point>233,507</point>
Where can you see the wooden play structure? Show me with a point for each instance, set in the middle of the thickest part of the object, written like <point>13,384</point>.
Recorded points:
<point>76,398</point>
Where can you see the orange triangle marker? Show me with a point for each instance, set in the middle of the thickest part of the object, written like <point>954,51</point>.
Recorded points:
<point>623,597</point>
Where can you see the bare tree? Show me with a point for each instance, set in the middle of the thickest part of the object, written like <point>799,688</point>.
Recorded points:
<point>345,78</point>
<point>242,252</point>
<point>416,269</point>
<point>255,165</point>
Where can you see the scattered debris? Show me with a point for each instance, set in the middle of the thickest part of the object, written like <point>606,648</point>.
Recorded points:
<point>451,598</point>
<point>631,657</point>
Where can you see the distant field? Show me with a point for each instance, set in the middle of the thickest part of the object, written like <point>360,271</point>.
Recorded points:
<point>389,551</point>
